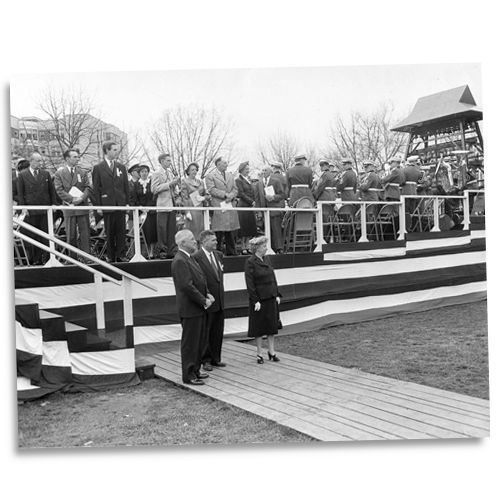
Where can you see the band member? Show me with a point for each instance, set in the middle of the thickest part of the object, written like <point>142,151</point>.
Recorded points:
<point>324,189</point>
<point>411,173</point>
<point>369,185</point>
<point>394,180</point>
<point>348,182</point>
<point>299,180</point>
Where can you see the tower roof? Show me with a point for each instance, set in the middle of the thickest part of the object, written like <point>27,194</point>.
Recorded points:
<point>441,107</point>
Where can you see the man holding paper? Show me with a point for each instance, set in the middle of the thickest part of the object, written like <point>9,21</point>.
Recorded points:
<point>73,187</point>
<point>270,194</point>
<point>221,186</point>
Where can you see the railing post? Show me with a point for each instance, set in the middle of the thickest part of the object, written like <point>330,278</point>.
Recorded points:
<point>137,238</point>
<point>99,302</point>
<point>435,208</point>
<point>364,233</point>
<point>320,238</point>
<point>206,218</point>
<point>128,311</point>
<point>52,262</point>
<point>402,220</point>
<point>466,211</point>
<point>267,230</point>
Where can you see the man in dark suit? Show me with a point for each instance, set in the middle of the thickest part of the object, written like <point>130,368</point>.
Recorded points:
<point>210,261</point>
<point>111,188</point>
<point>274,198</point>
<point>35,187</point>
<point>67,180</point>
<point>21,165</point>
<point>193,300</point>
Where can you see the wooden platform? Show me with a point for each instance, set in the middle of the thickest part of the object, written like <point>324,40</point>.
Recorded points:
<point>331,403</point>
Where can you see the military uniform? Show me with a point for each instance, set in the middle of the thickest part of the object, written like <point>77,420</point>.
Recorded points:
<point>393,182</point>
<point>299,180</point>
<point>347,185</point>
<point>411,175</point>
<point>370,187</point>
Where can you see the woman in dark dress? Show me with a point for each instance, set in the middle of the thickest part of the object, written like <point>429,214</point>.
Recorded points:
<point>264,298</point>
<point>142,196</point>
<point>246,198</point>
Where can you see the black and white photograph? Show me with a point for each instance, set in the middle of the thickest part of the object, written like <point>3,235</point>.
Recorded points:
<point>232,257</point>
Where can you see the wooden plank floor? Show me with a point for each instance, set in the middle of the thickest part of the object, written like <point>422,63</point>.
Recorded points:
<point>332,403</point>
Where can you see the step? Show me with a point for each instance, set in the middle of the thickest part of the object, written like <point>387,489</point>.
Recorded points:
<point>53,326</point>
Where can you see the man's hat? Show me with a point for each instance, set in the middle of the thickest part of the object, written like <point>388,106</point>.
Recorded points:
<point>412,159</point>
<point>367,163</point>
<point>394,159</point>
<point>276,164</point>
<point>299,157</point>
<point>142,167</point>
<point>323,160</point>
<point>345,161</point>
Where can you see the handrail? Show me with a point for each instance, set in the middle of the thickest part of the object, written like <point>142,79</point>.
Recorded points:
<point>26,238</point>
<point>78,251</point>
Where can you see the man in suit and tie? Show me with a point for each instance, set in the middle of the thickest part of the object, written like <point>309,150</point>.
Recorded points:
<point>221,186</point>
<point>210,261</point>
<point>35,187</point>
<point>163,183</point>
<point>274,198</point>
<point>110,185</point>
<point>67,180</point>
<point>193,300</point>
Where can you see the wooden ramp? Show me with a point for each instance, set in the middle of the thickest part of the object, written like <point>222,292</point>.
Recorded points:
<point>331,403</point>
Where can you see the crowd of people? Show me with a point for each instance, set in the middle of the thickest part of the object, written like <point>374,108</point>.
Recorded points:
<point>111,184</point>
<point>197,250</point>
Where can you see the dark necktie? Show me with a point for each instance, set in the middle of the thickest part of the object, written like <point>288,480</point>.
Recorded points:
<point>36,173</point>
<point>111,164</point>
<point>214,265</point>
<point>72,169</point>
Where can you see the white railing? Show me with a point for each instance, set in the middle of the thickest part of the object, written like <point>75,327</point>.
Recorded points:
<point>127,278</point>
<point>318,211</point>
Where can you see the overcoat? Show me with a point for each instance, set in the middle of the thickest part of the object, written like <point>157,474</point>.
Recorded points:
<point>217,187</point>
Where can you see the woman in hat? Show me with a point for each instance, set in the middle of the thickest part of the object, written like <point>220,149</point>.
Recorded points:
<point>246,198</point>
<point>193,194</point>
<point>263,297</point>
<point>142,196</point>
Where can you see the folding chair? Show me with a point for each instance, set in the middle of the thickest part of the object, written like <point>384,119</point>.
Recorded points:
<point>300,231</point>
<point>20,255</point>
<point>98,243</point>
<point>371,222</point>
<point>131,237</point>
<point>344,224</point>
<point>386,219</point>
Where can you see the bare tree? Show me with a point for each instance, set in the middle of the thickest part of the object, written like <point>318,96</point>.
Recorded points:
<point>365,136</point>
<point>193,134</point>
<point>280,146</point>
<point>72,123</point>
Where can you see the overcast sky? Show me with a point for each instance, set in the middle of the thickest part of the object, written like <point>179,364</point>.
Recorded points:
<point>302,101</point>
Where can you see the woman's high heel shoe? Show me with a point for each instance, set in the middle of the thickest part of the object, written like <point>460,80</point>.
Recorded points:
<point>273,357</point>
<point>260,360</point>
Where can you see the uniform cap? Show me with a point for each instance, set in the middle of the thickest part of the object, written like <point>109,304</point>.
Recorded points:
<point>277,164</point>
<point>300,156</point>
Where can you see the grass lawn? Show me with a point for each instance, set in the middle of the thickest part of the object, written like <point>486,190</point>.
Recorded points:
<point>445,348</point>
